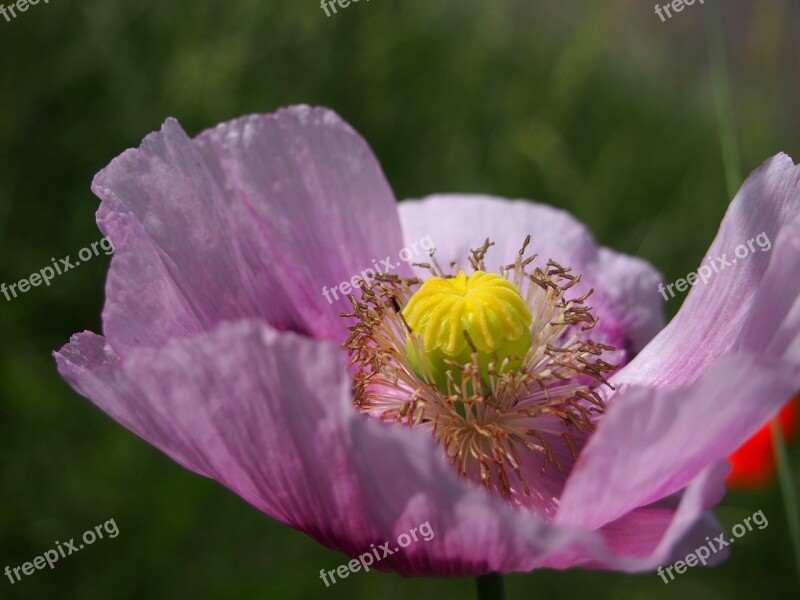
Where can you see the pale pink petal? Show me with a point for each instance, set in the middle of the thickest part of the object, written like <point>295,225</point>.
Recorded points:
<point>654,442</point>
<point>270,416</point>
<point>655,535</point>
<point>772,328</point>
<point>250,219</point>
<point>713,314</point>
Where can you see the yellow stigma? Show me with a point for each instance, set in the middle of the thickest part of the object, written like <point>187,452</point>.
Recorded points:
<point>485,306</point>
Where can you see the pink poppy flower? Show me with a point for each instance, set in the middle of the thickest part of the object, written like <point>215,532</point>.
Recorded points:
<point>530,422</point>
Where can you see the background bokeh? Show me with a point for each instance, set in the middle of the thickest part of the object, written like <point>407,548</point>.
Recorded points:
<point>594,106</point>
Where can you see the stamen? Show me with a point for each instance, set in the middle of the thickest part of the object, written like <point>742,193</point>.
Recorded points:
<point>498,367</point>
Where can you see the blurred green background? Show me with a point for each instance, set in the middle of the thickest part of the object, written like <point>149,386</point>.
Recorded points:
<point>597,107</point>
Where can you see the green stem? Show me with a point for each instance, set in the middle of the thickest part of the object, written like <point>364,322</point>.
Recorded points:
<point>490,587</point>
<point>721,89</point>
<point>788,488</point>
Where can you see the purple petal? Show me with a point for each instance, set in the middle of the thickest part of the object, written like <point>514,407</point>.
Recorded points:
<point>270,416</point>
<point>713,315</point>
<point>624,299</point>
<point>250,219</point>
<point>688,525</point>
<point>95,371</point>
<point>654,442</point>
<point>655,535</point>
<point>144,306</point>
<point>773,326</point>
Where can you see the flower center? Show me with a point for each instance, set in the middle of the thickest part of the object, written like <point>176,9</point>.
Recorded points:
<point>483,314</point>
<point>499,368</point>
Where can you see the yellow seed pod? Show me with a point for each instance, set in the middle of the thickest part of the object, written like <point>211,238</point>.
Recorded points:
<point>488,307</point>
